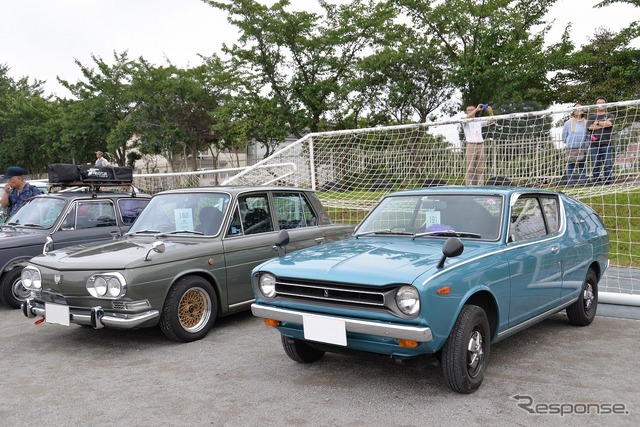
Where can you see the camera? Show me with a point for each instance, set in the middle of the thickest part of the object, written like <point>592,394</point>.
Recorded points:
<point>484,106</point>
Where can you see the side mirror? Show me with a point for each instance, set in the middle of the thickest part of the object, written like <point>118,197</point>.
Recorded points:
<point>48,245</point>
<point>452,248</point>
<point>157,247</point>
<point>281,241</point>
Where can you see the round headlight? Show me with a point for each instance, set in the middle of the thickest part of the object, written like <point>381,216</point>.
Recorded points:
<point>267,283</point>
<point>408,300</point>
<point>100,285</point>
<point>114,287</point>
<point>31,278</point>
<point>111,285</point>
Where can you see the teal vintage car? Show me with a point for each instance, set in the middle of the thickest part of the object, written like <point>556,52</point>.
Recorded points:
<point>185,261</point>
<point>443,272</point>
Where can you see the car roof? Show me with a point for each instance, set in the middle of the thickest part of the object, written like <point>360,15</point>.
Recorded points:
<point>479,189</point>
<point>234,189</point>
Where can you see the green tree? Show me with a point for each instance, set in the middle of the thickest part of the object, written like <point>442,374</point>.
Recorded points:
<point>27,124</point>
<point>105,103</point>
<point>606,66</point>
<point>407,78</point>
<point>177,108</point>
<point>304,61</point>
<point>492,46</point>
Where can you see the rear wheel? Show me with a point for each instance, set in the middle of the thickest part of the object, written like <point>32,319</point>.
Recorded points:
<point>13,293</point>
<point>583,311</point>
<point>466,352</point>
<point>300,351</point>
<point>190,310</point>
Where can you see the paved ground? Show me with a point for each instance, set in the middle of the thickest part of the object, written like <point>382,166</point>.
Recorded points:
<point>239,376</point>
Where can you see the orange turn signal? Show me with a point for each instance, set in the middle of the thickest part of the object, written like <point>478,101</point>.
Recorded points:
<point>444,291</point>
<point>271,322</point>
<point>407,343</point>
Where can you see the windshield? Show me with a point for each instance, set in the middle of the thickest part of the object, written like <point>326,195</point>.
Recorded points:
<point>467,216</point>
<point>40,212</point>
<point>184,213</point>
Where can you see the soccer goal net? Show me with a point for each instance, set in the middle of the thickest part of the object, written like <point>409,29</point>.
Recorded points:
<point>352,169</point>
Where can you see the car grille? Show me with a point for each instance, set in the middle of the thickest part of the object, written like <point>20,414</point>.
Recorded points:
<point>338,294</point>
<point>333,293</point>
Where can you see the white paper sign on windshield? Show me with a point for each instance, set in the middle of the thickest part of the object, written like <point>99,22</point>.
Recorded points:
<point>184,219</point>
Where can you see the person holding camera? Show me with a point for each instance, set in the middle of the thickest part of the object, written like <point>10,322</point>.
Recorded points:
<point>600,126</point>
<point>475,144</point>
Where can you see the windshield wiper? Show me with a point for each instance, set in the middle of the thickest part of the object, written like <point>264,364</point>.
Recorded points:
<point>387,232</point>
<point>447,233</point>
<point>145,231</point>
<point>181,231</point>
<point>32,225</point>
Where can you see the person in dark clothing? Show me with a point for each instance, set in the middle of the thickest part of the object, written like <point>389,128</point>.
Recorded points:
<point>16,191</point>
<point>600,126</point>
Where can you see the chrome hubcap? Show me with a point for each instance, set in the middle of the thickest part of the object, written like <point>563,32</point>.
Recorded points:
<point>475,353</point>
<point>588,296</point>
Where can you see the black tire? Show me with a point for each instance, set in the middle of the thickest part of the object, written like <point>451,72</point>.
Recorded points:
<point>300,351</point>
<point>583,311</point>
<point>13,293</point>
<point>190,310</point>
<point>466,352</point>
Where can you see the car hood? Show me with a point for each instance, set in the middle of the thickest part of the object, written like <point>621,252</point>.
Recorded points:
<point>114,255</point>
<point>371,260</point>
<point>11,238</point>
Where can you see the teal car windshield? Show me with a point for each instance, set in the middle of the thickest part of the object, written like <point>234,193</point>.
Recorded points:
<point>41,212</point>
<point>468,215</point>
<point>183,213</point>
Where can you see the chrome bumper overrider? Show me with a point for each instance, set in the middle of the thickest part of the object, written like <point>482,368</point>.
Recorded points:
<point>389,330</point>
<point>95,317</point>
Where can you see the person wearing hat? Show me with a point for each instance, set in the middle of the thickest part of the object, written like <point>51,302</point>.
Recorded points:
<point>16,191</point>
<point>101,161</point>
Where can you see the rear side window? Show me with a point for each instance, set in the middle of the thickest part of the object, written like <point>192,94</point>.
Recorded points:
<point>130,209</point>
<point>293,211</point>
<point>527,221</point>
<point>550,206</point>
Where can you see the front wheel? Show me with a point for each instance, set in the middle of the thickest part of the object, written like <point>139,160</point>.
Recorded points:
<point>583,311</point>
<point>300,351</point>
<point>466,352</point>
<point>189,310</point>
<point>13,293</point>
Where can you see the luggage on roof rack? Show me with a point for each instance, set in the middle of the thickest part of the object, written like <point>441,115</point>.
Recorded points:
<point>68,174</point>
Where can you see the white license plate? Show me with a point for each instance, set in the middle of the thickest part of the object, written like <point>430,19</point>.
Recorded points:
<point>56,313</point>
<point>322,329</point>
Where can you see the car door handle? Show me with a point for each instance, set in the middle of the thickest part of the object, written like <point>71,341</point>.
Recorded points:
<point>555,249</point>
<point>319,240</point>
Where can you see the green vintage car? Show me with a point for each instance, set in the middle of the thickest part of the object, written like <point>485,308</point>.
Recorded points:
<point>185,261</point>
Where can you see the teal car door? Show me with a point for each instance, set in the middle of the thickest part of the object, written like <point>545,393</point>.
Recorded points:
<point>535,259</point>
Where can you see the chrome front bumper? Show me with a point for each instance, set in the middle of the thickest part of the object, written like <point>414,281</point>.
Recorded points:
<point>94,317</point>
<point>368,327</point>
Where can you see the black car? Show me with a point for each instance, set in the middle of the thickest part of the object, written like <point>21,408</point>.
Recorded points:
<point>68,218</point>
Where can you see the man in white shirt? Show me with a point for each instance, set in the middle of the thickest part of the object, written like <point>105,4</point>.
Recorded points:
<point>475,144</point>
<point>101,161</point>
